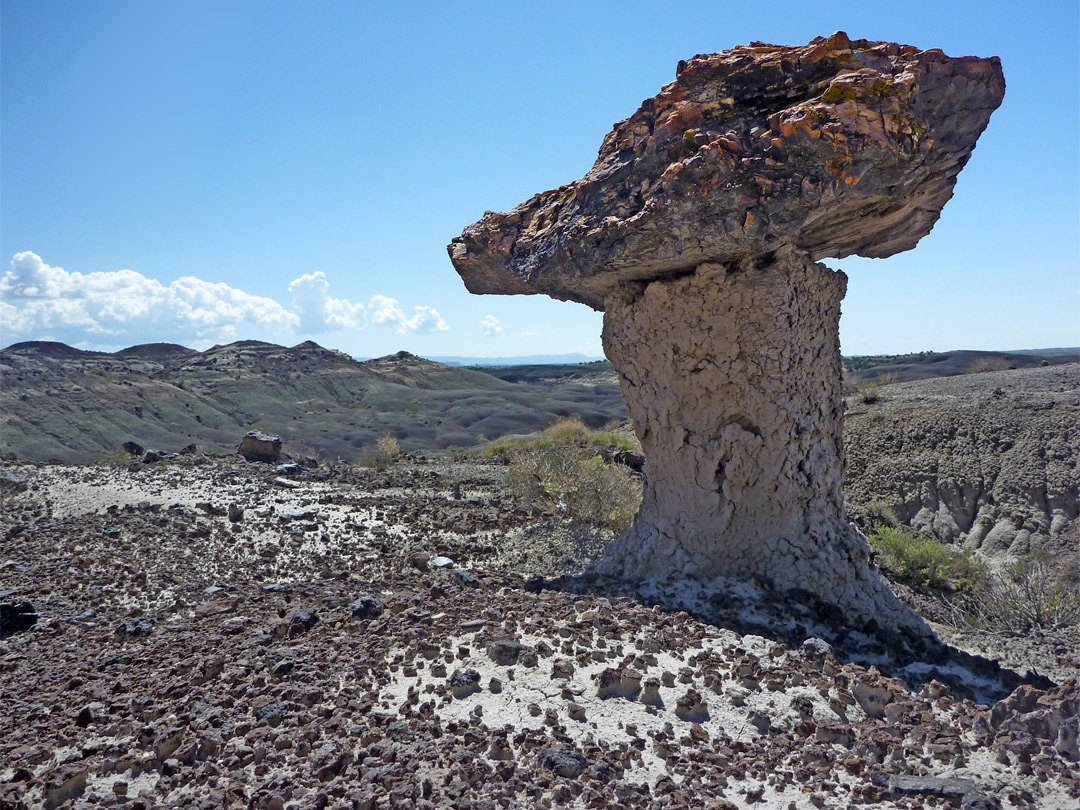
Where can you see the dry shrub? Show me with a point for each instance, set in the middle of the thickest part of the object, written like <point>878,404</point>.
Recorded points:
<point>869,392</point>
<point>1032,594</point>
<point>567,430</point>
<point>888,378</point>
<point>577,484</point>
<point>386,452</point>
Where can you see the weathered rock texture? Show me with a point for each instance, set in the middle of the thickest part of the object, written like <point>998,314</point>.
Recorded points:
<point>697,231</point>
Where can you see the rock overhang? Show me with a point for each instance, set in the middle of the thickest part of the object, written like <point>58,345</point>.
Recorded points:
<point>835,148</point>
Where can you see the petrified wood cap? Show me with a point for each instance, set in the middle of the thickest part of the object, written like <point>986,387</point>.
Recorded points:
<point>834,148</point>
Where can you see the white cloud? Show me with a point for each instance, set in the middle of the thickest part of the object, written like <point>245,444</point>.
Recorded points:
<point>125,307</point>
<point>387,312</point>
<point>126,303</point>
<point>318,311</point>
<point>490,326</point>
<point>529,334</point>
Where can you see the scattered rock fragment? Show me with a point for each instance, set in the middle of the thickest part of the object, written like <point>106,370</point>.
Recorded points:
<point>134,628</point>
<point>504,651</point>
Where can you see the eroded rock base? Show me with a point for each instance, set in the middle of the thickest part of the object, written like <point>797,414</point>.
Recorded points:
<point>731,374</point>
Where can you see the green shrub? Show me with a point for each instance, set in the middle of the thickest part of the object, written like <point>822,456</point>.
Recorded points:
<point>576,483</point>
<point>924,561</point>
<point>564,432</point>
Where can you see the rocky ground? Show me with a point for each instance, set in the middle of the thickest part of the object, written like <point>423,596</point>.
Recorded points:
<point>212,633</point>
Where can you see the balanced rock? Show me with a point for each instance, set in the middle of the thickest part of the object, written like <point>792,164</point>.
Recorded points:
<point>697,232</point>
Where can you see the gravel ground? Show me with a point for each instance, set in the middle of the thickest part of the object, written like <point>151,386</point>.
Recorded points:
<point>214,634</point>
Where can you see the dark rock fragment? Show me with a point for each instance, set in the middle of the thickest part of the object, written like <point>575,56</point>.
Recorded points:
<point>16,617</point>
<point>367,607</point>
<point>815,649</point>
<point>466,579</point>
<point>570,764</point>
<point>134,628</point>
<point>464,683</point>
<point>504,651</point>
<point>302,620</point>
<point>133,448</point>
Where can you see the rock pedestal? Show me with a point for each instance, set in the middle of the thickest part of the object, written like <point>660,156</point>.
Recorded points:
<point>732,375</point>
<point>697,232</point>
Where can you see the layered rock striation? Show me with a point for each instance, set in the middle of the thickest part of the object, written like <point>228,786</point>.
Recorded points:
<point>698,232</point>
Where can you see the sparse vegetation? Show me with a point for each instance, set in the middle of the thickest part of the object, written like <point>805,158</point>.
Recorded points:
<point>923,561</point>
<point>869,361</point>
<point>577,483</point>
<point>869,392</point>
<point>569,430</point>
<point>387,450</point>
<point>1035,593</point>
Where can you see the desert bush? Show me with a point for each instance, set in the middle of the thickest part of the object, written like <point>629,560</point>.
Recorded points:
<point>1033,593</point>
<point>567,430</point>
<point>564,432</point>
<point>874,515</point>
<point>869,392</point>
<point>888,378</point>
<point>924,561</point>
<point>575,483</point>
<point>386,452</point>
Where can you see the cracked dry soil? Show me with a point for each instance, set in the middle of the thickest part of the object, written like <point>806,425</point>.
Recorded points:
<point>380,639</point>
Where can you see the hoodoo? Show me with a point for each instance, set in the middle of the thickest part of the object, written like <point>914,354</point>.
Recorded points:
<point>698,233</point>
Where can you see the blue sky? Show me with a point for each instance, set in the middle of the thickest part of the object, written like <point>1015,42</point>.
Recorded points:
<point>201,172</point>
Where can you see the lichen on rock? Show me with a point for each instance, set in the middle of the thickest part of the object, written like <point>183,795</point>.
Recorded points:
<point>698,232</point>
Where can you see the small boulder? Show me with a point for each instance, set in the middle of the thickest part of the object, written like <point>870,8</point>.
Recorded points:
<point>464,683</point>
<point>367,608</point>
<point>259,446</point>
<point>569,764</point>
<point>133,448</point>
<point>152,456</point>
<point>504,651</point>
<point>301,621</point>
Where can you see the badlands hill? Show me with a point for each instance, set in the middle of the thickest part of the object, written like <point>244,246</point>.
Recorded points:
<point>64,404</point>
<point>69,405</point>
